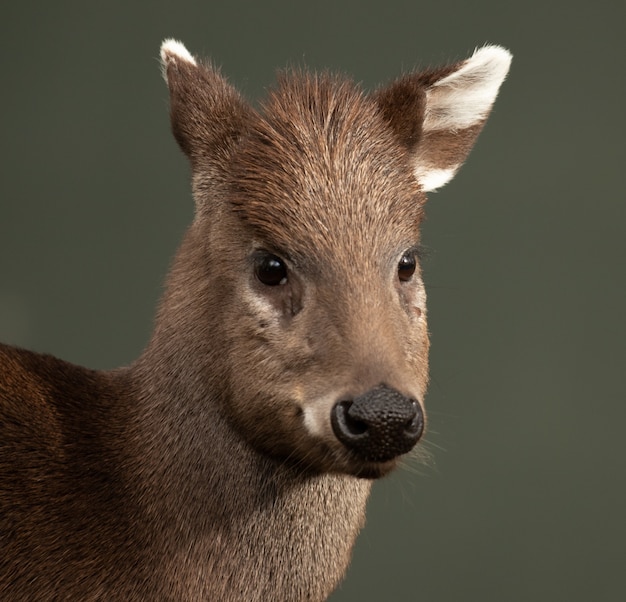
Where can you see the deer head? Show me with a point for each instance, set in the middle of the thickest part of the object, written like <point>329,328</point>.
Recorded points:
<point>302,264</point>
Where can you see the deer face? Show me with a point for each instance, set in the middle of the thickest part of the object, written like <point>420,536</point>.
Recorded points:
<point>314,205</point>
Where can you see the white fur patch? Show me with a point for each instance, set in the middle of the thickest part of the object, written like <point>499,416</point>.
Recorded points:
<point>173,49</point>
<point>261,307</point>
<point>316,417</point>
<point>433,178</point>
<point>312,422</point>
<point>464,98</point>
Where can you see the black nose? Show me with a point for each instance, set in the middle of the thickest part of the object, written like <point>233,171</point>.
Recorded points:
<point>378,425</point>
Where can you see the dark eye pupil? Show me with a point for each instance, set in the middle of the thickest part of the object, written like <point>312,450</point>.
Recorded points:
<point>271,270</point>
<point>406,267</point>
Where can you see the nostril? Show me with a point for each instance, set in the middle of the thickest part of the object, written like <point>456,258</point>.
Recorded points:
<point>415,425</point>
<point>345,423</point>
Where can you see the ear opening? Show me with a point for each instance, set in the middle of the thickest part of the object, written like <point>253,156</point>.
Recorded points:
<point>457,107</point>
<point>447,108</point>
<point>464,97</point>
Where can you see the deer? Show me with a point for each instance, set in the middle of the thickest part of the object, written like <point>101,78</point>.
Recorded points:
<point>288,364</point>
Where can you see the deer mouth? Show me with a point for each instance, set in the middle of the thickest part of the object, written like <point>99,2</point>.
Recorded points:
<point>340,460</point>
<point>375,470</point>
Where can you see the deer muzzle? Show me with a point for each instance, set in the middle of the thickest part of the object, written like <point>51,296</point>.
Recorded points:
<point>378,425</point>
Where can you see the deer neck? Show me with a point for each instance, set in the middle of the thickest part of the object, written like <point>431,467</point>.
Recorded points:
<point>217,506</point>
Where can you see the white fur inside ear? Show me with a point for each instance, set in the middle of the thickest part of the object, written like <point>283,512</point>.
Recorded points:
<point>174,50</point>
<point>433,178</point>
<point>464,98</point>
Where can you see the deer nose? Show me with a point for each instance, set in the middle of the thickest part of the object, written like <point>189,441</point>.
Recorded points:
<point>378,425</point>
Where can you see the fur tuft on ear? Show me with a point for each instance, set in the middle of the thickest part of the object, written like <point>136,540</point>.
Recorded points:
<point>448,109</point>
<point>173,50</point>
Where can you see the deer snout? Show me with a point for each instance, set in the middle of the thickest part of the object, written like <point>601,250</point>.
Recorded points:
<point>378,425</point>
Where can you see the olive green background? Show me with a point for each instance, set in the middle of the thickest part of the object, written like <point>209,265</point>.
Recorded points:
<point>526,495</point>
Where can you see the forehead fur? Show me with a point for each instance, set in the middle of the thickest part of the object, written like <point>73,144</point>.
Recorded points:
<point>321,165</point>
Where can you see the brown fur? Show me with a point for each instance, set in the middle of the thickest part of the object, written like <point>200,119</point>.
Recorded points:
<point>208,470</point>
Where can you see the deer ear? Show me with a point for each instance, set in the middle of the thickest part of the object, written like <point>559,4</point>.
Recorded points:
<point>438,114</point>
<point>207,114</point>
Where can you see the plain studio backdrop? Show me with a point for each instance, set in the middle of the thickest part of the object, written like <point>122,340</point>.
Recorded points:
<point>526,494</point>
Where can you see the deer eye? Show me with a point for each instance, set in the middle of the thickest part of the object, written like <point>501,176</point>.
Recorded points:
<point>406,266</point>
<point>270,270</point>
